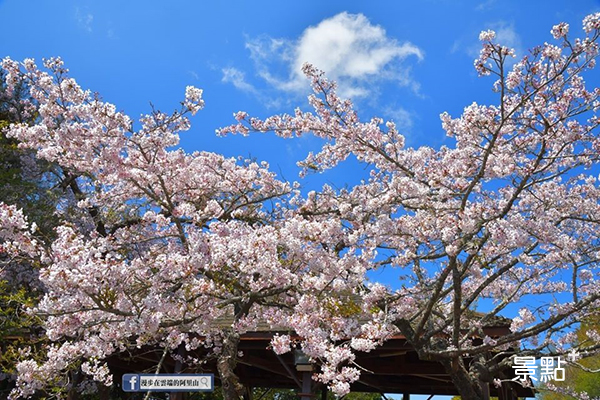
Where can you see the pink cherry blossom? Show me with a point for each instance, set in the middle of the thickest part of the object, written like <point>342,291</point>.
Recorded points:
<point>158,246</point>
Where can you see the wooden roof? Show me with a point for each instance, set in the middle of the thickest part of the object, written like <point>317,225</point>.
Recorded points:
<point>393,367</point>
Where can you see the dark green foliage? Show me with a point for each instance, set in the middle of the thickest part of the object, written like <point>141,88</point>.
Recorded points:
<point>577,378</point>
<point>27,183</point>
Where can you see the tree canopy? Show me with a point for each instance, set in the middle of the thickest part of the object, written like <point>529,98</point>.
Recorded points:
<point>159,245</point>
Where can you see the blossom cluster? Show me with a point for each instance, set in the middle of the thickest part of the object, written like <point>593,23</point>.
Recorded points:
<point>169,244</point>
<point>509,213</point>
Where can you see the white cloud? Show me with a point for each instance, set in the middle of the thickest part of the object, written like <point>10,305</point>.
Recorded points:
<point>111,33</point>
<point>237,78</point>
<point>507,35</point>
<point>351,50</point>
<point>347,45</point>
<point>486,5</point>
<point>84,19</point>
<point>401,117</point>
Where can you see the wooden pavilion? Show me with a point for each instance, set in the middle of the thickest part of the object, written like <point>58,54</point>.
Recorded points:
<point>393,367</point>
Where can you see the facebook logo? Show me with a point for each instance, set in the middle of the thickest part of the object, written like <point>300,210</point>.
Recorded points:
<point>168,382</point>
<point>131,382</point>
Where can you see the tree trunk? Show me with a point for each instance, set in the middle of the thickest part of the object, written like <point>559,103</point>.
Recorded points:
<point>232,389</point>
<point>468,388</point>
<point>464,383</point>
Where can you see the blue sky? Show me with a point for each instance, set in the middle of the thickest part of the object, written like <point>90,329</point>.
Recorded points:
<point>402,60</point>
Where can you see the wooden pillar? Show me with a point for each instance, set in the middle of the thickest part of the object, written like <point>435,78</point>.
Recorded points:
<point>406,396</point>
<point>306,386</point>
<point>506,392</point>
<point>248,392</point>
<point>485,390</point>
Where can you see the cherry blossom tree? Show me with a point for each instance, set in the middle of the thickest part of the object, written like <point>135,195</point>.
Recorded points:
<point>156,247</point>
<point>28,183</point>
<point>508,215</point>
<point>159,244</point>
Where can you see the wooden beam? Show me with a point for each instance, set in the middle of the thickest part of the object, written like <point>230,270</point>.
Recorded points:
<point>289,370</point>
<point>266,368</point>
